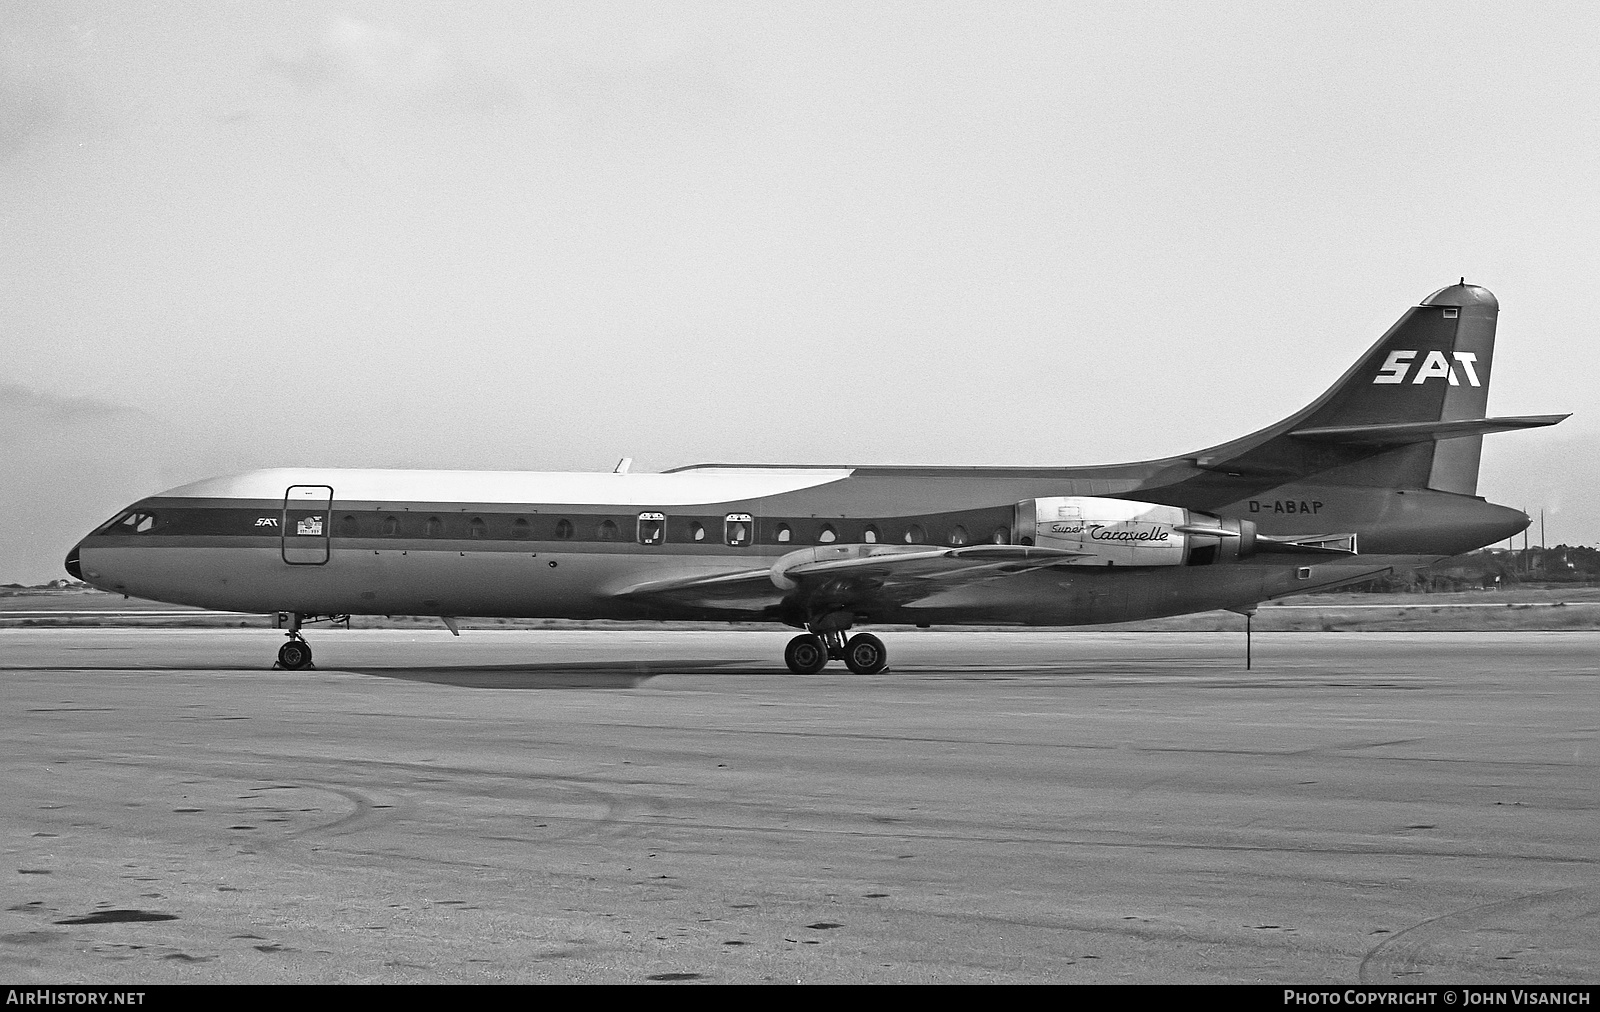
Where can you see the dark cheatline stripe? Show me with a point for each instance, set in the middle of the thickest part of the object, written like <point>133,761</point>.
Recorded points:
<point>403,527</point>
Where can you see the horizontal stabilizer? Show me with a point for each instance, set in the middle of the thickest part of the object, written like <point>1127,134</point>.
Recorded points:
<point>1400,433</point>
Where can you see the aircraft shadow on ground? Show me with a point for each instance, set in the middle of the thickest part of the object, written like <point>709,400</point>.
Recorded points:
<point>556,675</point>
<point>567,675</point>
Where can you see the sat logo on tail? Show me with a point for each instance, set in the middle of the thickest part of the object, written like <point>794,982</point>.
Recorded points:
<point>1399,363</point>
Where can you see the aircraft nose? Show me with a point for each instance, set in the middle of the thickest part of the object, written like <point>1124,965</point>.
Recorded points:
<point>73,566</point>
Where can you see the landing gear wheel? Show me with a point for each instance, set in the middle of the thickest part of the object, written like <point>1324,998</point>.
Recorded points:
<point>805,654</point>
<point>295,654</point>
<point>865,654</point>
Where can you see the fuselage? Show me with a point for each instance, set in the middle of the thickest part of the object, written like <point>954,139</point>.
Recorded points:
<point>571,545</point>
<point>1378,474</point>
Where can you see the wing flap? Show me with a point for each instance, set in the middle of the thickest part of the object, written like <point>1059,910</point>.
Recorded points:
<point>849,575</point>
<point>915,562</point>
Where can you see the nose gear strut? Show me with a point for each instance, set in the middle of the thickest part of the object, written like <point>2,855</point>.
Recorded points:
<point>294,655</point>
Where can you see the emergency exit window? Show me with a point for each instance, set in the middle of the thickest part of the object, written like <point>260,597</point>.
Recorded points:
<point>652,528</point>
<point>737,529</point>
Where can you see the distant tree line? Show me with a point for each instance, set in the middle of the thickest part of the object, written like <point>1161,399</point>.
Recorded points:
<point>1489,568</point>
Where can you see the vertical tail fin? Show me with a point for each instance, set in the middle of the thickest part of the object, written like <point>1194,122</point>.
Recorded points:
<point>1411,413</point>
<point>1432,366</point>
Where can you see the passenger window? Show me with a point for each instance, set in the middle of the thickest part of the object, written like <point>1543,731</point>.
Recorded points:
<point>915,535</point>
<point>958,535</point>
<point>607,530</point>
<point>652,528</point>
<point>435,527</point>
<point>564,530</point>
<point>784,534</point>
<point>391,526</point>
<point>736,529</point>
<point>1001,536</point>
<point>870,535</point>
<point>520,531</point>
<point>347,526</point>
<point>828,535</point>
<point>697,531</point>
<point>478,529</point>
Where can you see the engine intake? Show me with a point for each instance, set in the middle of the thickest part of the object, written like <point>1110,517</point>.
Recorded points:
<point>1120,532</point>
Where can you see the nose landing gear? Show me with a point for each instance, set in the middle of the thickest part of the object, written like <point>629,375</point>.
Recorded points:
<point>294,655</point>
<point>810,652</point>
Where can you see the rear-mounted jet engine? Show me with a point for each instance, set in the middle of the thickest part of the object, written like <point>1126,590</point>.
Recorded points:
<point>1119,532</point>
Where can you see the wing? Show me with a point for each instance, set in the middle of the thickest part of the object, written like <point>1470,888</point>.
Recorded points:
<point>832,577</point>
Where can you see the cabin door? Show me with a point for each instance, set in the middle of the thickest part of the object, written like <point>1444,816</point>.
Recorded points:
<point>306,524</point>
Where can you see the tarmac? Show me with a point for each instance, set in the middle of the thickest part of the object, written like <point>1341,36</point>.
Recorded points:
<point>633,806</point>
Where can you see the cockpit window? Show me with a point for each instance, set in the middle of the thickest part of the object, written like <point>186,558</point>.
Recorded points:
<point>135,522</point>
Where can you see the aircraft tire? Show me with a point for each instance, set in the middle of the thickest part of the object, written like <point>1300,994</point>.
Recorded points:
<point>294,655</point>
<point>805,654</point>
<point>865,654</point>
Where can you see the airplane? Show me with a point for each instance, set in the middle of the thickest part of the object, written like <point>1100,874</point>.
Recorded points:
<point>1378,475</point>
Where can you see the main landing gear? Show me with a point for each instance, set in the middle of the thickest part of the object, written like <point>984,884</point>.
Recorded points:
<point>810,652</point>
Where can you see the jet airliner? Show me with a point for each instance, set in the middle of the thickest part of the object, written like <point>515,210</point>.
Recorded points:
<point>1377,475</point>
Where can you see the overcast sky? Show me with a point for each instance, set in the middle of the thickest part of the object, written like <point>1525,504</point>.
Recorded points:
<point>546,236</point>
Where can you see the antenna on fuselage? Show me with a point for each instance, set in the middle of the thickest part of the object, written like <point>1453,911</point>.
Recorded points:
<point>622,466</point>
